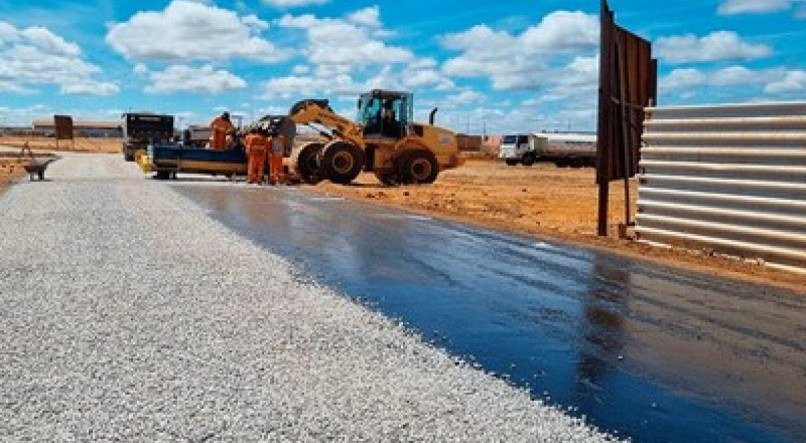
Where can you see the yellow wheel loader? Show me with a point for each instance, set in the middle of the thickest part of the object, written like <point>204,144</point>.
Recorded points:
<point>384,140</point>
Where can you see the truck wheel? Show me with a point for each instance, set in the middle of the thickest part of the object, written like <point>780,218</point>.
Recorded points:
<point>511,162</point>
<point>341,162</point>
<point>388,178</point>
<point>528,160</point>
<point>162,175</point>
<point>128,157</point>
<point>308,163</point>
<point>419,167</point>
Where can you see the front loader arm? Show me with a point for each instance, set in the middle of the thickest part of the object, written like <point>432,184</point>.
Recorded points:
<point>318,112</point>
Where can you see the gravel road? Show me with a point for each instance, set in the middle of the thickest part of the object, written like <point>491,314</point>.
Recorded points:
<point>127,313</point>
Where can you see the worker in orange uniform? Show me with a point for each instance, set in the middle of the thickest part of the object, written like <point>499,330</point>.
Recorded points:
<point>220,129</point>
<point>276,172</point>
<point>257,146</point>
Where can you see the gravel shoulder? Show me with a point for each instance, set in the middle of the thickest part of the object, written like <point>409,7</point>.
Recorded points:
<point>129,314</point>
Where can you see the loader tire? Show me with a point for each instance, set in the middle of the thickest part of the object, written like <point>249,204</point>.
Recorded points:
<point>388,178</point>
<point>308,163</point>
<point>341,162</point>
<point>418,167</point>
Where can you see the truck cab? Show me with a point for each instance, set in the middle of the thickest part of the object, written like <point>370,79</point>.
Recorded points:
<point>519,148</point>
<point>143,129</point>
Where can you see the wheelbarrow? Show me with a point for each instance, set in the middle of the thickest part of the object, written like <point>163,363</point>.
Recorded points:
<point>36,167</point>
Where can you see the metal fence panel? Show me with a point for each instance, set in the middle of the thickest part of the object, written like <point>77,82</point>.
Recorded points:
<point>730,178</point>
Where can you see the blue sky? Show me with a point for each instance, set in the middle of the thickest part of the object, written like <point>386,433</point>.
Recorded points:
<point>503,66</point>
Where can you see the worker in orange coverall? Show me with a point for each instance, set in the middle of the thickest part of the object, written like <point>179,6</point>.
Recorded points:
<point>220,129</point>
<point>257,147</point>
<point>276,172</point>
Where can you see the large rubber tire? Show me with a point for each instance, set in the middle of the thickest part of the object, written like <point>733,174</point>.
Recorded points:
<point>388,178</point>
<point>528,160</point>
<point>308,163</point>
<point>418,167</point>
<point>511,162</point>
<point>128,157</point>
<point>162,175</point>
<point>341,162</point>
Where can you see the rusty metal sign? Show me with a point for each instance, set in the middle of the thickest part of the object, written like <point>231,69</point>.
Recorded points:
<point>627,84</point>
<point>64,127</point>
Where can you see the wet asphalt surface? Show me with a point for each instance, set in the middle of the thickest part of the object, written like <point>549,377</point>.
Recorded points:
<point>639,350</point>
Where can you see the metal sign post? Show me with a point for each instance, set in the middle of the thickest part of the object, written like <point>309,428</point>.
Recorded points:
<point>627,84</point>
<point>63,125</point>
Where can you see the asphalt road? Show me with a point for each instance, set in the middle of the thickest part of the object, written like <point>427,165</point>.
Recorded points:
<point>127,313</point>
<point>641,350</point>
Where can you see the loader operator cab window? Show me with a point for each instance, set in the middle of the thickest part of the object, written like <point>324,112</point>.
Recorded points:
<point>385,114</point>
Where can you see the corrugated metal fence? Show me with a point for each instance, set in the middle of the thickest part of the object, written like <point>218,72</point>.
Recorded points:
<point>729,178</point>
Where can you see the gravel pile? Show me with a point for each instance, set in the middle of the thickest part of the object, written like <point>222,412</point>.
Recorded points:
<point>126,313</point>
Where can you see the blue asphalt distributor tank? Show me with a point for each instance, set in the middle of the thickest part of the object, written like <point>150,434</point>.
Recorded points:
<point>173,158</point>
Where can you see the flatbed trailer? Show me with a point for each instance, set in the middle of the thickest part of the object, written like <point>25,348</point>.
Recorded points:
<point>166,160</point>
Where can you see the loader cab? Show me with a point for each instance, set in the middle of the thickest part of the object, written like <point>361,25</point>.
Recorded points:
<point>385,114</point>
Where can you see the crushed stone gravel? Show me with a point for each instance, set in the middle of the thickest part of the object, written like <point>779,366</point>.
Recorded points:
<point>128,314</point>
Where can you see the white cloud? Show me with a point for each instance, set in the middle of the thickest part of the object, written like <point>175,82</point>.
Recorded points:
<point>424,63</point>
<point>294,3</point>
<point>578,80</point>
<point>521,61</point>
<point>90,88</point>
<point>340,45</point>
<point>465,98</point>
<point>770,81</point>
<point>384,79</point>
<point>178,78</point>
<point>36,56</point>
<point>325,82</point>
<point>370,17</point>
<point>427,78</point>
<point>690,77</point>
<point>716,46</point>
<point>562,31</point>
<point>304,86</point>
<point>793,81</point>
<point>24,115</point>
<point>349,55</point>
<point>730,7</point>
<point>49,42</point>
<point>188,30</point>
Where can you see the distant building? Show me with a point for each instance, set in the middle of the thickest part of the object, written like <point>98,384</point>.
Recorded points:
<point>16,131</point>
<point>82,128</point>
